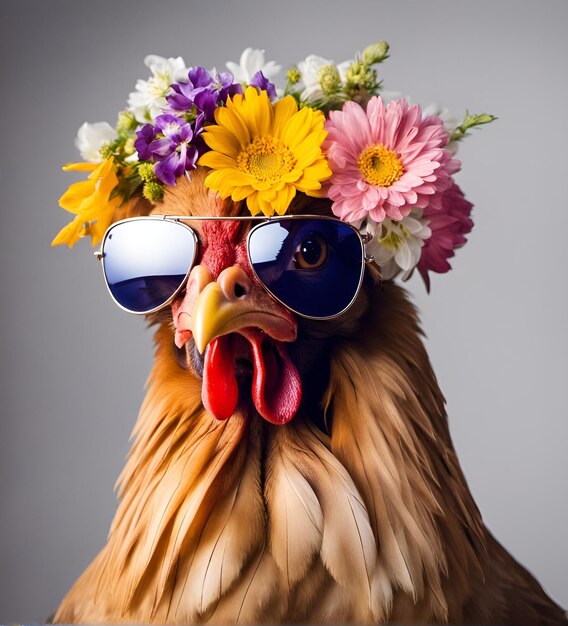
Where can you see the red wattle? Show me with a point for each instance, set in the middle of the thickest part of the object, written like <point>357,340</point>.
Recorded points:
<point>220,392</point>
<point>276,385</point>
<point>276,388</point>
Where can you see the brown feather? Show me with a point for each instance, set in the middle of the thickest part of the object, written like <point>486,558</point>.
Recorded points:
<point>243,521</point>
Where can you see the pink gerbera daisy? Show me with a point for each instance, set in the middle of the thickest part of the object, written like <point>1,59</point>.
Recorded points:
<point>387,160</point>
<point>449,227</point>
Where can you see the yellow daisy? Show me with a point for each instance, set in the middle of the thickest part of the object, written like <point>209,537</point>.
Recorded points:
<point>265,152</point>
<point>91,202</point>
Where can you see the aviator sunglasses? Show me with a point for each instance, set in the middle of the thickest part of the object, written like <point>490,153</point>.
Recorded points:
<point>313,265</point>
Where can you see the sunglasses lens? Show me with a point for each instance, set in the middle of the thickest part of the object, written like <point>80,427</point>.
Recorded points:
<point>146,261</point>
<point>313,266</point>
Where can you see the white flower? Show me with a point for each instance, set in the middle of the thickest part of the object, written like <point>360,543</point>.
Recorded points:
<point>92,137</point>
<point>251,62</point>
<point>397,245</point>
<point>147,101</point>
<point>320,76</point>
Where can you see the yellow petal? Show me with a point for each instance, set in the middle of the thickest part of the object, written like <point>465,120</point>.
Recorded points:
<point>232,177</point>
<point>107,185</point>
<point>318,171</point>
<point>296,129</point>
<point>292,176</point>
<point>103,169</point>
<point>76,194</point>
<point>232,101</point>
<point>222,142</point>
<point>230,120</point>
<point>69,234</point>
<point>283,110</point>
<point>256,113</point>
<point>216,161</point>
<point>80,167</point>
<point>307,156</point>
<point>216,181</point>
<point>314,139</point>
<point>283,199</point>
<point>240,193</point>
<point>265,206</point>
<point>253,203</point>
<point>99,226</point>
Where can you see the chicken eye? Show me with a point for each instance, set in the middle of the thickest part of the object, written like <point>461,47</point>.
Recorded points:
<point>311,253</point>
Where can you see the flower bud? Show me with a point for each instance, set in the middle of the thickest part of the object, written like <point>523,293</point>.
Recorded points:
<point>294,75</point>
<point>360,76</point>
<point>153,191</point>
<point>106,151</point>
<point>375,53</point>
<point>329,79</point>
<point>129,145</point>
<point>126,122</point>
<point>146,172</point>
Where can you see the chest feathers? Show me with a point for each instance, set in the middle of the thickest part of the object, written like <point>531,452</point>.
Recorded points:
<point>242,521</point>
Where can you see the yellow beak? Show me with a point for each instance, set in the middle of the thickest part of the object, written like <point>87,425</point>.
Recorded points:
<point>215,314</point>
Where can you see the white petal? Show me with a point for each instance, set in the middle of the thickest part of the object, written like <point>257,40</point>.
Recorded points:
<point>313,92</point>
<point>271,69</point>
<point>252,61</point>
<point>389,270</point>
<point>403,257</point>
<point>177,69</point>
<point>155,63</point>
<point>92,137</point>
<point>310,68</point>
<point>342,68</point>
<point>235,71</point>
<point>381,253</point>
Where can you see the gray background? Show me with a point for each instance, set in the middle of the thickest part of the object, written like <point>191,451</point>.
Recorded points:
<point>74,366</point>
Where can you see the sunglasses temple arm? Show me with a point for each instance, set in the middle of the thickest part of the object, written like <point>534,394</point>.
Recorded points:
<point>366,238</point>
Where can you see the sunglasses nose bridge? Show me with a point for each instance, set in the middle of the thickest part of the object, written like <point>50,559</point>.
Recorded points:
<point>234,282</point>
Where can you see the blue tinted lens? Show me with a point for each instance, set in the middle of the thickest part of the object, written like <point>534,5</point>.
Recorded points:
<point>314,266</point>
<point>146,261</point>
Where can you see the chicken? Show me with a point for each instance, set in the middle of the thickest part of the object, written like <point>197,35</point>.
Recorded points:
<point>327,489</point>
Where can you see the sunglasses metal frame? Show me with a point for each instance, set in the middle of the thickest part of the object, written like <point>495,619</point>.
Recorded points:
<point>364,238</point>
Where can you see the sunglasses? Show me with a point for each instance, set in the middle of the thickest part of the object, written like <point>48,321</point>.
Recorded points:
<point>313,265</point>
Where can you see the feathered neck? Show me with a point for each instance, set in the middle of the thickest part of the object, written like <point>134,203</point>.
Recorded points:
<point>243,521</point>
<point>390,432</point>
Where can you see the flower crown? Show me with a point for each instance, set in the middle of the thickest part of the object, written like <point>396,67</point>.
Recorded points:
<point>385,164</point>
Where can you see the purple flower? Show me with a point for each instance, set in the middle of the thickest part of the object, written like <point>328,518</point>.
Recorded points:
<point>202,92</point>
<point>259,80</point>
<point>227,86</point>
<point>174,127</point>
<point>179,161</point>
<point>145,136</point>
<point>183,98</point>
<point>169,144</point>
